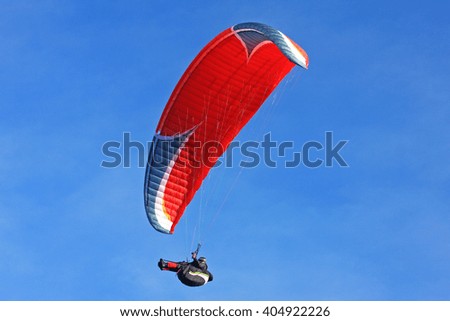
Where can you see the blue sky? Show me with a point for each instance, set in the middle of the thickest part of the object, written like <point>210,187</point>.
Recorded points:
<point>76,74</point>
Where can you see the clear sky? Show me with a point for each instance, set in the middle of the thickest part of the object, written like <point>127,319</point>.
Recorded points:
<point>77,74</point>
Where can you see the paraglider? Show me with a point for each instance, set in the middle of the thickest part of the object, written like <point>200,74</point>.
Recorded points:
<point>218,94</point>
<point>193,273</point>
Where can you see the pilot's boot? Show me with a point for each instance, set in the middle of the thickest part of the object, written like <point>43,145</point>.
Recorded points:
<point>162,264</point>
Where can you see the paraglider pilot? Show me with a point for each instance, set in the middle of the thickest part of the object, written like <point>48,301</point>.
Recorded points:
<point>193,273</point>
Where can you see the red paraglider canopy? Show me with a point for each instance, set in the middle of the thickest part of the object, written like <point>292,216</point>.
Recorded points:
<point>217,95</point>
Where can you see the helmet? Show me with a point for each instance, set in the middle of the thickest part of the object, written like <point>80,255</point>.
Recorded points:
<point>202,259</point>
